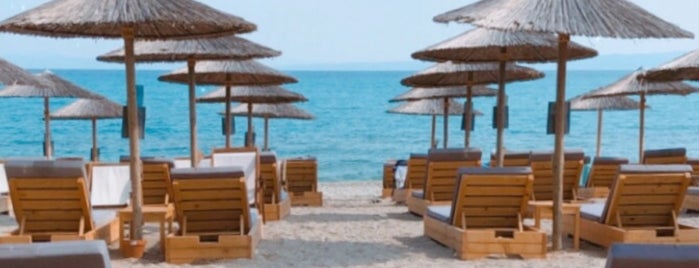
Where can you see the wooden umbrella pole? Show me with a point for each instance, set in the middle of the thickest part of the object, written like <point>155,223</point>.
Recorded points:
<point>599,132</point>
<point>642,127</point>
<point>47,129</point>
<point>249,135</point>
<point>227,114</point>
<point>266,132</point>
<point>501,107</point>
<point>446,122</point>
<point>469,110</point>
<point>434,126</point>
<point>135,154</point>
<point>192,113</point>
<point>95,157</point>
<point>558,161</point>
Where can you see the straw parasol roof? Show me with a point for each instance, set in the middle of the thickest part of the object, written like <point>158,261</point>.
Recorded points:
<point>608,18</point>
<point>269,110</point>
<point>252,94</point>
<point>230,73</point>
<point>151,19</point>
<point>49,85</point>
<point>685,67</point>
<point>441,93</point>
<point>221,48</point>
<point>485,45</point>
<point>13,74</point>
<point>89,109</point>
<point>447,74</point>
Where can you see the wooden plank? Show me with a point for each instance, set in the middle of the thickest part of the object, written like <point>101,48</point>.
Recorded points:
<point>212,194</point>
<point>231,204</point>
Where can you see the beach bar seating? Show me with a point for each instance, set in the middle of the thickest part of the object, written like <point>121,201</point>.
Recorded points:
<point>301,176</point>
<point>486,215</point>
<point>277,204</point>
<point>93,254</point>
<point>415,178</point>
<point>440,180</point>
<point>642,207</point>
<point>602,173</point>
<point>389,183</point>
<point>512,159</point>
<point>665,156</point>
<point>652,256</point>
<point>51,202</point>
<point>214,215</point>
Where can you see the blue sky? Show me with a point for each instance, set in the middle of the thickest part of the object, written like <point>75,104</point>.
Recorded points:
<point>337,34</point>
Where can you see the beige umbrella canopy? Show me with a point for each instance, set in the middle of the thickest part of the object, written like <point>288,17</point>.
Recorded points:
<point>127,19</point>
<point>252,94</point>
<point>232,73</point>
<point>579,103</point>
<point>48,86</point>
<point>606,18</point>
<point>685,67</point>
<point>433,107</point>
<point>633,85</point>
<point>221,48</point>
<point>13,74</point>
<point>90,109</point>
<point>268,110</point>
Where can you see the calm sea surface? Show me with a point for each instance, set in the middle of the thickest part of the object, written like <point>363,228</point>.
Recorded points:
<point>352,134</point>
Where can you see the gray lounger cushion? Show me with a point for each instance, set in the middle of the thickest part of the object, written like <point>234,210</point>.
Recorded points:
<point>206,173</point>
<point>169,162</point>
<point>268,158</point>
<point>665,152</point>
<point>568,154</point>
<point>592,211</point>
<point>454,154</point>
<point>693,190</point>
<point>440,213</point>
<point>513,154</point>
<point>655,168</point>
<point>610,161</point>
<point>652,256</point>
<point>66,254</point>
<point>418,156</point>
<point>44,169</point>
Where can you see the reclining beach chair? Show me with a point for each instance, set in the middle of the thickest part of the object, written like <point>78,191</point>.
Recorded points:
<point>642,207</point>
<point>486,215</point>
<point>301,177</point>
<point>277,204</point>
<point>665,156</point>
<point>51,202</point>
<point>214,215</point>
<point>602,173</point>
<point>415,178</point>
<point>93,254</point>
<point>512,159</point>
<point>442,167</point>
<point>542,167</point>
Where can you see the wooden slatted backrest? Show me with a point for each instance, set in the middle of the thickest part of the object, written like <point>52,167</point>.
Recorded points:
<point>604,170</point>
<point>270,177</point>
<point>512,159</point>
<point>388,174</point>
<point>211,201</point>
<point>647,195</point>
<point>301,175</point>
<point>491,198</point>
<point>156,185</point>
<point>542,168</point>
<point>665,156</point>
<point>442,167</point>
<point>50,196</point>
<point>417,171</point>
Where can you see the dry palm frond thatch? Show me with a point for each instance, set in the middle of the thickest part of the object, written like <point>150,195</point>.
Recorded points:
<point>13,74</point>
<point>276,110</point>
<point>230,72</point>
<point>443,92</point>
<point>89,109</point>
<point>447,74</point>
<point>252,94</point>
<point>685,67</point>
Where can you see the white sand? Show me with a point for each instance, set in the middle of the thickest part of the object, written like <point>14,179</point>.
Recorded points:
<point>356,229</point>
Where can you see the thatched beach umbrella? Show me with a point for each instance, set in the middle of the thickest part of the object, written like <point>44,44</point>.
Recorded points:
<point>49,86</point>
<point>633,85</point>
<point>433,107</point>
<point>448,74</point>
<point>250,95</point>
<point>127,19</point>
<point>231,73</point>
<point>579,103</point>
<point>93,110</point>
<point>605,18</point>
<point>685,67</point>
<point>221,48</point>
<point>484,45</point>
<point>12,74</point>
<point>268,111</point>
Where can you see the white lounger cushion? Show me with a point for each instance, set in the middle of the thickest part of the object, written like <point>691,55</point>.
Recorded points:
<point>245,161</point>
<point>3,180</point>
<point>111,185</point>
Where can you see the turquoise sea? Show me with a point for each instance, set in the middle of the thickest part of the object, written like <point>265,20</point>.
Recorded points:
<point>352,134</point>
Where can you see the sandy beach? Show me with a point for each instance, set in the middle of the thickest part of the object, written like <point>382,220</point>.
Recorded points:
<point>355,228</point>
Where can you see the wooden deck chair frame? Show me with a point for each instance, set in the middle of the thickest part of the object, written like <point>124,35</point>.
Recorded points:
<point>52,203</point>
<point>642,207</point>
<point>602,174</point>
<point>414,178</point>
<point>671,156</point>
<point>485,216</point>
<point>301,181</point>
<point>277,204</point>
<point>389,183</point>
<point>440,177</point>
<point>214,216</point>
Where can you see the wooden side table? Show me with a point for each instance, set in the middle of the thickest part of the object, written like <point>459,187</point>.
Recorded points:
<point>151,213</point>
<point>544,209</point>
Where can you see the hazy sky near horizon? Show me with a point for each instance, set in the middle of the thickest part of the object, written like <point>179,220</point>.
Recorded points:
<point>313,32</point>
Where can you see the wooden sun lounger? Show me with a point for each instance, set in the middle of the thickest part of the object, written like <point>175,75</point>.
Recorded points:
<point>602,173</point>
<point>442,167</point>
<point>62,254</point>
<point>247,158</point>
<point>512,159</point>
<point>389,183</point>
<point>691,200</point>
<point>301,176</point>
<point>542,166</point>
<point>486,216</point>
<point>665,156</point>
<point>51,203</point>
<point>215,219</point>
<point>642,207</point>
<point>277,204</point>
<point>414,179</point>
